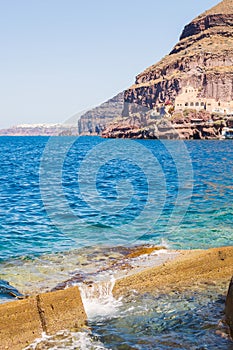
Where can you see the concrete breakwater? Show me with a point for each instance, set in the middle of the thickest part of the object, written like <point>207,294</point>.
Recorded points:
<point>21,322</point>
<point>190,269</point>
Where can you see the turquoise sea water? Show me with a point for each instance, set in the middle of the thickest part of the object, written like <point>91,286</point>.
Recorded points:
<point>63,197</point>
<point>26,229</point>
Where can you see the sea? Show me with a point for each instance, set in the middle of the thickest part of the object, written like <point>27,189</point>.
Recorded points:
<point>73,208</point>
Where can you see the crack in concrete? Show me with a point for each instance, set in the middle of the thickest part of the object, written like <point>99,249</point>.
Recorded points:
<point>41,314</point>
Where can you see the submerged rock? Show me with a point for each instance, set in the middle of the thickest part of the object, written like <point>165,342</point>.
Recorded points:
<point>229,308</point>
<point>6,290</point>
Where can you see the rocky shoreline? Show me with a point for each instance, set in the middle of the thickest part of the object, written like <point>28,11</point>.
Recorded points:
<point>186,125</point>
<point>196,270</point>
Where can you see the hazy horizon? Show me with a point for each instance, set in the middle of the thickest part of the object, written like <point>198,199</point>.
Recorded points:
<point>60,58</point>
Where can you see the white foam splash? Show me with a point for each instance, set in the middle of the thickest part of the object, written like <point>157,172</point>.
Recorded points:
<point>164,243</point>
<point>98,299</point>
<point>66,340</point>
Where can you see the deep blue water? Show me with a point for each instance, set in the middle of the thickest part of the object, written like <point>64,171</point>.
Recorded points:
<point>56,195</point>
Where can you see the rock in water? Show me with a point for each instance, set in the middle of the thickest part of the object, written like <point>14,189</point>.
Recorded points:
<point>229,308</point>
<point>6,290</point>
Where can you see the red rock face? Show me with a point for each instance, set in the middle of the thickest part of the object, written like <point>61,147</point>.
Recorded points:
<point>202,58</point>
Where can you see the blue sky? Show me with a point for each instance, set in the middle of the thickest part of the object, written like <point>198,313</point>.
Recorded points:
<point>59,57</point>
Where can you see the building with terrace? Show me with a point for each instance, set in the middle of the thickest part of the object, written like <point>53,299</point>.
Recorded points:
<point>190,99</point>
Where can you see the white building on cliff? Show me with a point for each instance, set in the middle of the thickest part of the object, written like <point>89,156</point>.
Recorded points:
<point>189,99</point>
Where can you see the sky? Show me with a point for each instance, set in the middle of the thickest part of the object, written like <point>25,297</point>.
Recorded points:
<point>61,57</point>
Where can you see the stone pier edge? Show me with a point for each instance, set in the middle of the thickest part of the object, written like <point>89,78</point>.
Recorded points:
<point>23,321</point>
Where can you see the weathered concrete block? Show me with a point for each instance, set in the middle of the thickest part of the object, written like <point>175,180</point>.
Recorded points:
<point>20,324</point>
<point>61,310</point>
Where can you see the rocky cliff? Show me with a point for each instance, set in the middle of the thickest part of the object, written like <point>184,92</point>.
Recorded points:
<point>185,126</point>
<point>95,120</point>
<point>203,58</point>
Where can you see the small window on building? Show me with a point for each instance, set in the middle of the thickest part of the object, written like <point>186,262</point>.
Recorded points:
<point>202,104</point>
<point>186,91</point>
<point>191,104</point>
<point>209,104</point>
<point>219,104</point>
<point>186,104</point>
<point>197,104</point>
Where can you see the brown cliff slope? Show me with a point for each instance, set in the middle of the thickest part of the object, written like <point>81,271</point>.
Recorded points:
<point>203,58</point>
